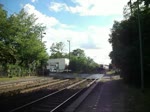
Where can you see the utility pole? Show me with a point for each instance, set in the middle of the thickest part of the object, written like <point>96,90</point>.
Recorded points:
<point>131,7</point>
<point>141,51</point>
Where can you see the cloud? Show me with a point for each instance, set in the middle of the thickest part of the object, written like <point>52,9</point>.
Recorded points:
<point>34,1</point>
<point>91,7</point>
<point>57,6</point>
<point>89,43</point>
<point>96,38</point>
<point>93,40</point>
<point>99,55</point>
<point>46,20</point>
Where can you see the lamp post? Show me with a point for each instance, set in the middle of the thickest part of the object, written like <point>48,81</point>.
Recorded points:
<point>42,35</point>
<point>69,48</point>
<point>141,52</point>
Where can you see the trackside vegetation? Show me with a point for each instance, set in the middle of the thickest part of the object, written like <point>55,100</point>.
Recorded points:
<point>124,38</point>
<point>21,49</point>
<point>125,55</point>
<point>79,62</point>
<point>22,52</point>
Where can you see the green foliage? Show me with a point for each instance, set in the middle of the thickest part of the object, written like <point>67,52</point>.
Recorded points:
<point>57,50</point>
<point>82,64</point>
<point>125,42</point>
<point>78,53</point>
<point>78,60</point>
<point>20,42</point>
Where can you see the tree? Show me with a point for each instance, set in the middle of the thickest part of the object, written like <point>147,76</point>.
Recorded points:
<point>57,50</point>
<point>125,43</point>
<point>7,52</point>
<point>78,53</point>
<point>20,42</point>
<point>82,64</point>
<point>26,38</point>
<point>110,66</point>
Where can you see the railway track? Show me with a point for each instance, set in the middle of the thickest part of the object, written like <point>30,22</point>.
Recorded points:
<point>14,82</point>
<point>9,102</point>
<point>56,101</point>
<point>23,84</point>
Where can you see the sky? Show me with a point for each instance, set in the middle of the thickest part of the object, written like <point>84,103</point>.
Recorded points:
<point>86,23</point>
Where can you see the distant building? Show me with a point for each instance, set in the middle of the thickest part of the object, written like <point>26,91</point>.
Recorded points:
<point>106,67</point>
<point>58,65</point>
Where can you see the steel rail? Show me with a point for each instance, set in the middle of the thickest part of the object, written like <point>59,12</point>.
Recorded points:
<point>56,109</point>
<point>42,98</point>
<point>26,87</point>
